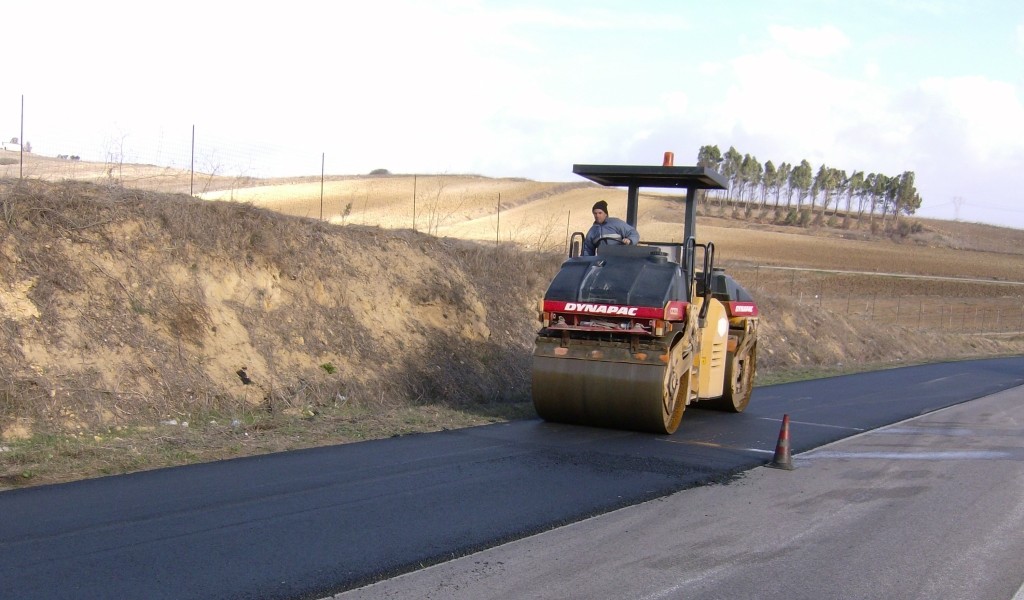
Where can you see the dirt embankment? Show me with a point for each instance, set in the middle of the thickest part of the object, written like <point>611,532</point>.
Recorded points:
<point>123,305</point>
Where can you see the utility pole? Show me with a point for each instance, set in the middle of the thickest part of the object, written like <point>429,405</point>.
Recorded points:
<point>21,146</point>
<point>958,201</point>
<point>192,167</point>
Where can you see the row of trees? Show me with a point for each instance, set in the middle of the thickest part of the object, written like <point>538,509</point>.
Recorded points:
<point>857,193</point>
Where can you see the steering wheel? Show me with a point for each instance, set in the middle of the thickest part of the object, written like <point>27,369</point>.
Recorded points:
<point>605,238</point>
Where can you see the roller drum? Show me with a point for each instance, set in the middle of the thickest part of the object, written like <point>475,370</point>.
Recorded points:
<point>642,396</point>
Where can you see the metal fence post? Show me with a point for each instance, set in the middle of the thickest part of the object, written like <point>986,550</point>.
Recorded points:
<point>568,216</point>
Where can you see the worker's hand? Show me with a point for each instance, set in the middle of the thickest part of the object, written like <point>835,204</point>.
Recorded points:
<point>626,241</point>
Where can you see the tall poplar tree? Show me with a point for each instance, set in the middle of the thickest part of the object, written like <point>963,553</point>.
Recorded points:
<point>800,180</point>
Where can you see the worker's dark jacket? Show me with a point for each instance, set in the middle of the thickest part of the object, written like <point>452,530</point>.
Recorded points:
<point>615,229</point>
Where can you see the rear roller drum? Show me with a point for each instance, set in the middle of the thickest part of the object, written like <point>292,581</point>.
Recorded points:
<point>739,383</point>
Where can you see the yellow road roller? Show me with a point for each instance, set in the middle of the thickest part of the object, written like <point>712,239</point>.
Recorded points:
<point>634,334</point>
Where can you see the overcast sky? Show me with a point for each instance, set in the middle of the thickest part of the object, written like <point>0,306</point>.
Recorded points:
<point>526,89</point>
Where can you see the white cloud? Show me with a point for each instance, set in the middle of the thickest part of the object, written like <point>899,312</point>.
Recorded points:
<point>709,68</point>
<point>587,18</point>
<point>797,108</point>
<point>810,42</point>
<point>675,103</point>
<point>988,115</point>
<point>787,103</point>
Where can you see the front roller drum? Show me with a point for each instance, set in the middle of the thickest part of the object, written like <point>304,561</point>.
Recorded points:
<point>618,395</point>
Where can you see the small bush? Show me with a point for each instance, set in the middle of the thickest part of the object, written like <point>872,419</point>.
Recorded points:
<point>380,172</point>
<point>905,228</point>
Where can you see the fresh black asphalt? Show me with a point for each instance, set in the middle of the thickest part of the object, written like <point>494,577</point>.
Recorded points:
<point>309,523</point>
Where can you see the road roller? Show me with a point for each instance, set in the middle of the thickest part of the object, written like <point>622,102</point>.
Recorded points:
<point>634,334</point>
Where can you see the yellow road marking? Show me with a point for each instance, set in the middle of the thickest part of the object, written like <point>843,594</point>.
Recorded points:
<point>714,445</point>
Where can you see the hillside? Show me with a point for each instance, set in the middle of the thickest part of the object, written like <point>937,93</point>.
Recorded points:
<point>128,313</point>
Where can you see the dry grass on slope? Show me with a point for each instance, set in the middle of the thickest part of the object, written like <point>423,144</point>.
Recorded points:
<point>125,309</point>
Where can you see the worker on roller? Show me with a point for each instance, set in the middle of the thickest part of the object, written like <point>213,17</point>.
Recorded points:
<point>608,230</point>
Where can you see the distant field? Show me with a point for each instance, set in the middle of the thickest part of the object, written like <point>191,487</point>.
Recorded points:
<point>540,215</point>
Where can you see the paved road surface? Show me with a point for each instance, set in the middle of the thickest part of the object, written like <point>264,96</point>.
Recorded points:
<point>311,523</point>
<point>932,507</point>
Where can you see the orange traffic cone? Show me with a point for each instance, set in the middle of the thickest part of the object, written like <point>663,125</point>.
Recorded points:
<point>782,459</point>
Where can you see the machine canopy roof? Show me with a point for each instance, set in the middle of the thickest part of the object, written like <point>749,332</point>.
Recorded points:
<point>652,176</point>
